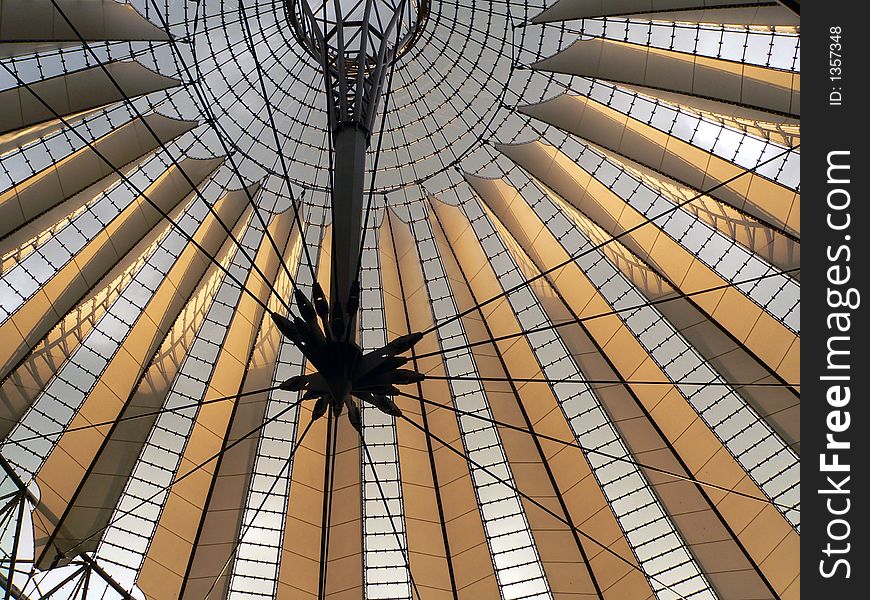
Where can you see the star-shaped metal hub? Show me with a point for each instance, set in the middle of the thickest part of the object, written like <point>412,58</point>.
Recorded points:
<point>343,372</point>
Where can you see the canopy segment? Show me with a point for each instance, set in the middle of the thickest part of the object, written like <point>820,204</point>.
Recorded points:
<point>566,333</point>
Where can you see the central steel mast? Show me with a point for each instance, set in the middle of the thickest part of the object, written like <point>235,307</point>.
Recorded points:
<point>355,43</point>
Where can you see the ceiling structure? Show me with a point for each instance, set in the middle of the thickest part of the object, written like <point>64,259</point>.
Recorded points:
<point>588,209</point>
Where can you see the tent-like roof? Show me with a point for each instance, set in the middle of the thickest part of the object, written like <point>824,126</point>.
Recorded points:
<point>590,209</point>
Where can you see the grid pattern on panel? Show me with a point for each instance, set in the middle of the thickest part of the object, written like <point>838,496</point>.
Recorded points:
<point>778,295</point>
<point>23,280</point>
<point>28,445</point>
<point>254,571</point>
<point>750,45</point>
<point>450,91</point>
<point>654,539</point>
<point>43,65</point>
<point>132,526</point>
<point>18,254</point>
<point>386,573</point>
<point>708,209</point>
<point>455,90</point>
<point>762,453</point>
<point>27,160</point>
<point>743,149</point>
<point>515,558</point>
<point>447,92</point>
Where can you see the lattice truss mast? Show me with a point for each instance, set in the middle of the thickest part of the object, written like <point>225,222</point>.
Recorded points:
<point>399,299</point>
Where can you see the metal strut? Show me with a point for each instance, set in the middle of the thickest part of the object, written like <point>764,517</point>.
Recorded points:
<point>21,500</point>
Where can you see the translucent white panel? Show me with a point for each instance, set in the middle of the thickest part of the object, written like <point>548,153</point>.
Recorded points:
<point>386,573</point>
<point>716,138</point>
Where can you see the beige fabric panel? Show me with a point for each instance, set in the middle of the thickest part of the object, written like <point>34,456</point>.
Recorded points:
<point>221,526</point>
<point>29,378</point>
<point>324,259</point>
<point>406,301</point>
<point>344,570</point>
<point>24,21</point>
<point>780,407</point>
<point>77,453</point>
<point>762,334</point>
<point>300,556</point>
<point>299,568</point>
<point>769,15</point>
<point>572,479</point>
<point>770,90</point>
<point>163,571</point>
<point>660,427</point>
<point>12,49</point>
<point>39,314</point>
<point>784,135</point>
<point>771,244</point>
<point>567,10</point>
<point>754,194</point>
<point>74,92</point>
<point>80,171</point>
<point>761,14</point>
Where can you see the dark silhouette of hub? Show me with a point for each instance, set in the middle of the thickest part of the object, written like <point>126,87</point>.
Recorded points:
<point>344,372</point>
